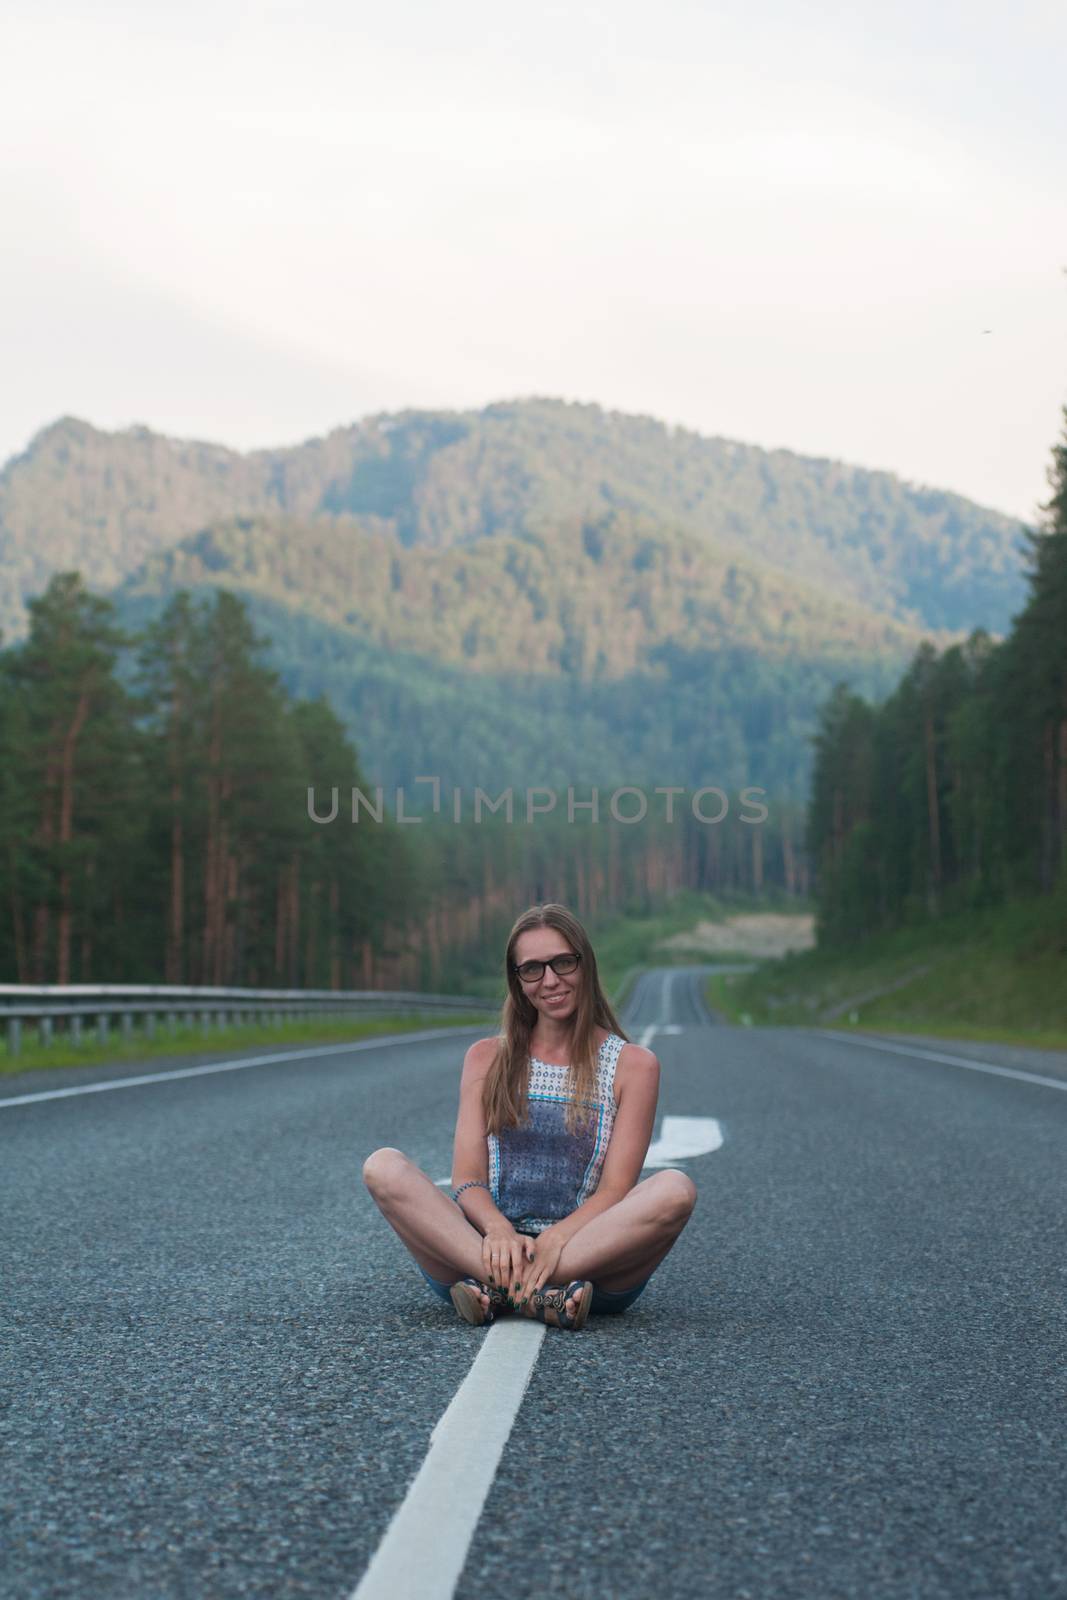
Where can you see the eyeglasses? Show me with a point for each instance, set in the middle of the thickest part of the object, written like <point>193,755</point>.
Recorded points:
<point>530,971</point>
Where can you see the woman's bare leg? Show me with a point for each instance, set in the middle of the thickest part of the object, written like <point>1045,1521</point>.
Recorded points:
<point>620,1247</point>
<point>617,1249</point>
<point>430,1225</point>
<point>428,1222</point>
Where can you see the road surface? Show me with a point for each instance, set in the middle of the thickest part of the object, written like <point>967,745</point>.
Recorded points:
<point>220,1372</point>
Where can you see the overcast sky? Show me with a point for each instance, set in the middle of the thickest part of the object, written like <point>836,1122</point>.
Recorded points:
<point>785,223</point>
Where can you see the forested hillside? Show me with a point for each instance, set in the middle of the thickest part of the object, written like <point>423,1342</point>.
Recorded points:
<point>951,793</point>
<point>594,600</point>
<point>536,595</point>
<point>937,836</point>
<point>103,503</point>
<point>617,652</point>
<point>730,716</point>
<point>165,814</point>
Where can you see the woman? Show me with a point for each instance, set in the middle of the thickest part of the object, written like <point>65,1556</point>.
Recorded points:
<point>547,1216</point>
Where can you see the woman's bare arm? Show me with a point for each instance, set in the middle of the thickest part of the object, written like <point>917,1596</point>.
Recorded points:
<point>637,1091</point>
<point>470,1150</point>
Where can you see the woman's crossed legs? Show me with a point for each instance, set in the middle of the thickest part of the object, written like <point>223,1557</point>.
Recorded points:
<point>616,1249</point>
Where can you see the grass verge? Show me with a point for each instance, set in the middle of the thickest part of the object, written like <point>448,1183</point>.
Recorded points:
<point>189,1040</point>
<point>999,975</point>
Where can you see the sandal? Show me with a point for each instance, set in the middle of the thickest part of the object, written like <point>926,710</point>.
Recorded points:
<point>466,1297</point>
<point>550,1305</point>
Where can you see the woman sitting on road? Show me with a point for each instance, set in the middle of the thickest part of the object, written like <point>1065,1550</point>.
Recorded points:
<point>547,1216</point>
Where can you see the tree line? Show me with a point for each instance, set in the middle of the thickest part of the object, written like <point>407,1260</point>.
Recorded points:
<point>952,793</point>
<point>155,826</point>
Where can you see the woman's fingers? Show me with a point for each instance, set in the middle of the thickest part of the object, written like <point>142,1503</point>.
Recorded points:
<point>510,1263</point>
<point>531,1277</point>
<point>503,1259</point>
<point>518,1281</point>
<point>506,1274</point>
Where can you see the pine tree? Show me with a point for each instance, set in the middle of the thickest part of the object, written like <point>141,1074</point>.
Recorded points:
<point>79,768</point>
<point>1039,656</point>
<point>169,697</point>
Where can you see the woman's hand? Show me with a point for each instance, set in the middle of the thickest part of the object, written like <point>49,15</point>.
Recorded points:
<point>503,1252</point>
<point>547,1249</point>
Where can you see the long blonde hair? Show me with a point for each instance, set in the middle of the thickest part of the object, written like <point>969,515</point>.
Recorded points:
<point>504,1093</point>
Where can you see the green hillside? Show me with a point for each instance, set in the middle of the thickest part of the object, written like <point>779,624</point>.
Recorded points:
<point>731,716</point>
<point>594,601</point>
<point>998,973</point>
<point>104,503</point>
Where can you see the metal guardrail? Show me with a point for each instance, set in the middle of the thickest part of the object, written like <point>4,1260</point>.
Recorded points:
<point>47,1004</point>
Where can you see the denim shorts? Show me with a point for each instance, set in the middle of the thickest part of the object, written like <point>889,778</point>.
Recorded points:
<point>603,1301</point>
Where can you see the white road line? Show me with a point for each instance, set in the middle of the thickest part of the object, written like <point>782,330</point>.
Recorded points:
<point>424,1548</point>
<point>233,1066</point>
<point>668,981</point>
<point>935,1055</point>
<point>668,995</point>
<point>682,1137</point>
<point>425,1545</point>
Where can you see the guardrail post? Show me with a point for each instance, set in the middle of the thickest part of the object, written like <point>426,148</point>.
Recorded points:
<point>205,1022</point>
<point>76,1029</point>
<point>172,1022</point>
<point>127,1026</point>
<point>103,1027</point>
<point>220,1019</point>
<point>44,1031</point>
<point>14,1035</point>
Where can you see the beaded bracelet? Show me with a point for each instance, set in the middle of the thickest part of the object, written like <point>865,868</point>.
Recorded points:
<point>475,1183</point>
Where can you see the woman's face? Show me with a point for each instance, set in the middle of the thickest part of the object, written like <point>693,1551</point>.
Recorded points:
<point>554,994</point>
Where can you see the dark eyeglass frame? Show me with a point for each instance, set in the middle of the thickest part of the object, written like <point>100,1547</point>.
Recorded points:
<point>535,977</point>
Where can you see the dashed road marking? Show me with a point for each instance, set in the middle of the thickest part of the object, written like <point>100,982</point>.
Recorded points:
<point>682,1137</point>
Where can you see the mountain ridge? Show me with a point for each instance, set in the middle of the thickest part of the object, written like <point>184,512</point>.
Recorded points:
<point>106,503</point>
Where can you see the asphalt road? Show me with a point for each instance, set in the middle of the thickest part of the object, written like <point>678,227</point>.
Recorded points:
<point>220,1371</point>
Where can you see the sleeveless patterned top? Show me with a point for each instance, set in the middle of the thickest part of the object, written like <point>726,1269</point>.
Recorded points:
<point>539,1173</point>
